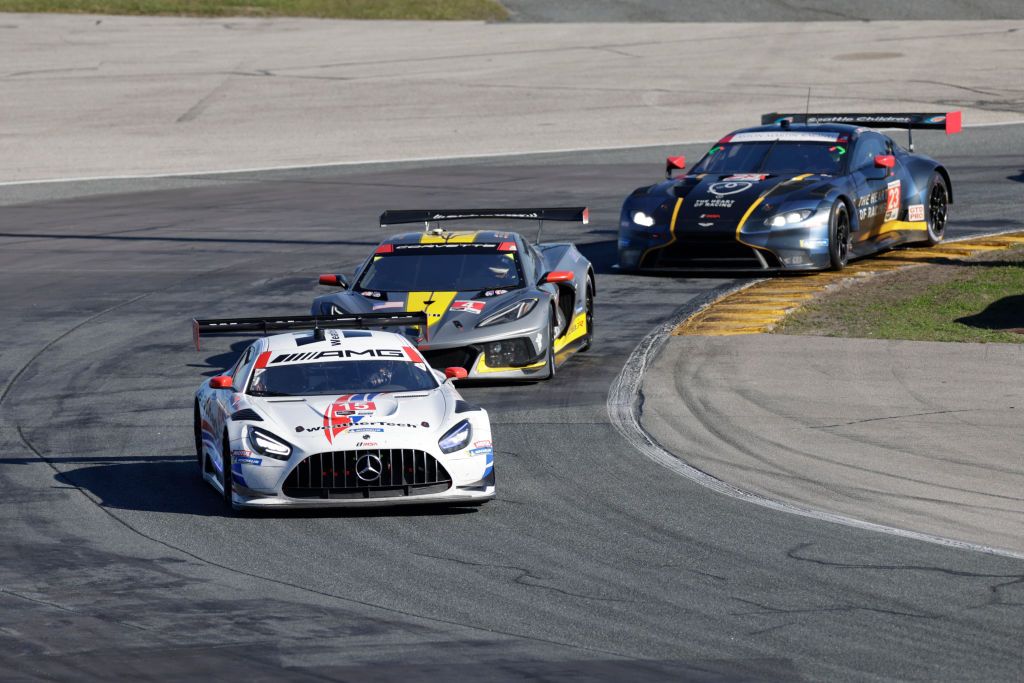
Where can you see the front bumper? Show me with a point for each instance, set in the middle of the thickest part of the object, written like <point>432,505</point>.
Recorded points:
<point>404,476</point>
<point>763,251</point>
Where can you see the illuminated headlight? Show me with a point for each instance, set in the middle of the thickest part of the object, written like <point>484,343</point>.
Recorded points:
<point>456,438</point>
<point>813,244</point>
<point>510,313</point>
<point>789,218</point>
<point>267,444</point>
<point>641,218</point>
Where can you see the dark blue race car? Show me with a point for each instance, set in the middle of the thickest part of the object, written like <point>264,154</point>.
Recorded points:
<point>801,192</point>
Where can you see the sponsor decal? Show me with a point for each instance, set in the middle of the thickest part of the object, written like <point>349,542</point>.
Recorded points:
<point>915,212</point>
<point>360,430</point>
<point>337,355</point>
<point>335,337</point>
<point>752,177</point>
<point>372,295</point>
<point>714,203</point>
<point>357,419</point>
<point>482,444</point>
<point>482,451</point>
<point>240,454</point>
<point>388,304</point>
<point>495,292</point>
<point>474,307</point>
<point>447,245</point>
<point>727,187</point>
<point>368,444</point>
<point>785,136</point>
<point>892,201</point>
<point>934,119</point>
<point>710,216</point>
<point>249,460</point>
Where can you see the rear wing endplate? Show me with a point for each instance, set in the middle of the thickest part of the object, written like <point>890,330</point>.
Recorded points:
<point>305,322</point>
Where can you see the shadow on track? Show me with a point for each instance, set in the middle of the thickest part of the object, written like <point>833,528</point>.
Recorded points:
<point>171,484</point>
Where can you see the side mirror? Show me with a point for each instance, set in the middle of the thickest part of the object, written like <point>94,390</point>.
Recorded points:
<point>885,161</point>
<point>334,281</point>
<point>456,373</point>
<point>674,164</point>
<point>221,382</point>
<point>557,276</point>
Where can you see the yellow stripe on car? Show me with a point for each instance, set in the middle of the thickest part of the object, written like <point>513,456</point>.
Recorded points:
<point>576,330</point>
<point>435,310</point>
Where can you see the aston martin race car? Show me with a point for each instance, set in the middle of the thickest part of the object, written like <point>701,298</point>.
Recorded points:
<point>496,305</point>
<point>799,192</point>
<point>338,416</point>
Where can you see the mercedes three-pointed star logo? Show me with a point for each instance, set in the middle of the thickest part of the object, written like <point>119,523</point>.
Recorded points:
<point>369,467</point>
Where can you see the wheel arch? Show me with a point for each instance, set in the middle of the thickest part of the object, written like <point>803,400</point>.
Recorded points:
<point>941,170</point>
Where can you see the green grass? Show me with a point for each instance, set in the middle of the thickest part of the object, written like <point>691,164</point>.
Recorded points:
<point>977,302</point>
<point>489,10</point>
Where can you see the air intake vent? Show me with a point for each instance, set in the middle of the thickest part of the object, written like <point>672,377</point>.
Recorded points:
<point>246,414</point>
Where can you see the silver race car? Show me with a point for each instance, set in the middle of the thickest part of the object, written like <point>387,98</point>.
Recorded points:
<point>496,305</point>
<point>338,416</point>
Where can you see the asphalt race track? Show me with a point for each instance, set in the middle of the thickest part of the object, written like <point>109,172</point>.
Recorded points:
<point>594,563</point>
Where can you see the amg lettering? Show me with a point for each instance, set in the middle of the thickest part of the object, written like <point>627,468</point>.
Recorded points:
<point>339,354</point>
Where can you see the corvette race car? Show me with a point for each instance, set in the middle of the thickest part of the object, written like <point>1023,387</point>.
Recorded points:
<point>338,415</point>
<point>496,305</point>
<point>801,192</point>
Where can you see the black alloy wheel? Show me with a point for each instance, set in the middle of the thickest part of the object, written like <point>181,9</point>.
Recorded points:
<point>226,479</point>
<point>839,236</point>
<point>938,209</point>
<point>552,324</point>
<point>588,339</point>
<point>197,428</point>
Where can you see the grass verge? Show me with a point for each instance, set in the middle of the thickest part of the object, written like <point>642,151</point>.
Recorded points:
<point>978,300</point>
<point>487,10</point>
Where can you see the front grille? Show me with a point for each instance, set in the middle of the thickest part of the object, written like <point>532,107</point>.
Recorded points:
<point>452,358</point>
<point>712,254</point>
<point>403,472</point>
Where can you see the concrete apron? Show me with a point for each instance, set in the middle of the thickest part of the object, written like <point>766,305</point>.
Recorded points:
<point>89,96</point>
<point>924,436</point>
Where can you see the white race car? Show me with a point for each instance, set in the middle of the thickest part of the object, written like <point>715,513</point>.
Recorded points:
<point>338,417</point>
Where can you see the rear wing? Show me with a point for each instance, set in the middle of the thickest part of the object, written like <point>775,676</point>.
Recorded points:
<point>304,322</point>
<point>951,122</point>
<point>575,214</point>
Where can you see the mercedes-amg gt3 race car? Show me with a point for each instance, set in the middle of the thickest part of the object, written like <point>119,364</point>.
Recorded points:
<point>801,192</point>
<point>338,416</point>
<point>496,305</point>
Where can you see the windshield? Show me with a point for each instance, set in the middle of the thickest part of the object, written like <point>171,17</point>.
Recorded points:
<point>774,156</point>
<point>341,377</point>
<point>445,272</point>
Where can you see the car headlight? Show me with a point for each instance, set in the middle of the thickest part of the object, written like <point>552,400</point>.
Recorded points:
<point>510,313</point>
<point>789,218</point>
<point>641,218</point>
<point>265,443</point>
<point>456,438</point>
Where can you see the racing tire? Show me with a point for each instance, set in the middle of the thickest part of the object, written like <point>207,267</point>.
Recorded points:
<point>197,430</point>
<point>838,236</point>
<point>226,479</point>
<point>937,209</point>
<point>588,340</point>
<point>550,358</point>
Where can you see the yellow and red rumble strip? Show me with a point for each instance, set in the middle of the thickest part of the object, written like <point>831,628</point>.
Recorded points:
<point>758,308</point>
